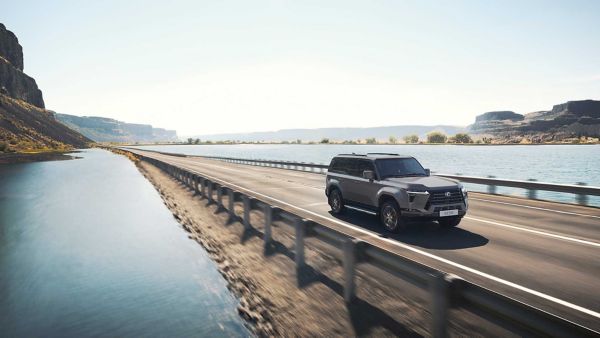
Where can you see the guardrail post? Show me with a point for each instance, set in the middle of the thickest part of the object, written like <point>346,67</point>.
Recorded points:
<point>209,193</point>
<point>203,187</point>
<point>350,259</point>
<point>440,304</point>
<point>231,195</point>
<point>220,196</point>
<point>196,181</point>
<point>582,198</point>
<point>268,211</point>
<point>491,188</point>
<point>532,193</point>
<point>299,247</point>
<point>247,207</point>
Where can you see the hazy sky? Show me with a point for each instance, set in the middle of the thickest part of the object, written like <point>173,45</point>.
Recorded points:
<point>236,66</point>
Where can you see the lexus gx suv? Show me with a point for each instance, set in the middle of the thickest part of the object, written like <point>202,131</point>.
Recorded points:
<point>394,187</point>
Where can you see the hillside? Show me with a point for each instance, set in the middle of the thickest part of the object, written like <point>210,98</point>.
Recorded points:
<point>573,119</point>
<point>335,134</point>
<point>25,126</point>
<point>101,129</point>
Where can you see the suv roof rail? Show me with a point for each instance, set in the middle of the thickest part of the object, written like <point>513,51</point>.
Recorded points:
<point>393,154</point>
<point>353,154</point>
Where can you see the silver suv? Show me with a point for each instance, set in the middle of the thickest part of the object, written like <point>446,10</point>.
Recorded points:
<point>396,188</point>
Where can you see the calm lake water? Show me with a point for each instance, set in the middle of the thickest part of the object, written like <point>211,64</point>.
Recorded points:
<point>549,163</point>
<point>87,248</point>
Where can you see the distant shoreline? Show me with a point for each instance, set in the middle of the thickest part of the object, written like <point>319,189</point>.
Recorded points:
<point>11,158</point>
<point>355,144</point>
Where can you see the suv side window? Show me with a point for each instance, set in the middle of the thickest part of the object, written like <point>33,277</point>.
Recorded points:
<point>352,167</point>
<point>364,165</point>
<point>340,166</point>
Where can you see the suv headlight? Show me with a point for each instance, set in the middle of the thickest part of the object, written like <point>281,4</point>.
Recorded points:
<point>413,194</point>
<point>464,192</point>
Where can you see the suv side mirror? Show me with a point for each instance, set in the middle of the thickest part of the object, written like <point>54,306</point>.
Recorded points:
<point>427,172</point>
<point>368,174</point>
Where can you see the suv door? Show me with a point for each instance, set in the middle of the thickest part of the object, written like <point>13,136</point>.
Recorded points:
<point>353,180</point>
<point>340,171</point>
<point>365,190</point>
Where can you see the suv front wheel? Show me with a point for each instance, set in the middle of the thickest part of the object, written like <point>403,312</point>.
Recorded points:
<point>390,216</point>
<point>336,202</point>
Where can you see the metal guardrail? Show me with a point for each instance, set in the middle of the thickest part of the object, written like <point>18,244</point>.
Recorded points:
<point>445,291</point>
<point>580,190</point>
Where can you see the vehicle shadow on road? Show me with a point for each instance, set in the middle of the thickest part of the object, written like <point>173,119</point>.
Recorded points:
<point>428,235</point>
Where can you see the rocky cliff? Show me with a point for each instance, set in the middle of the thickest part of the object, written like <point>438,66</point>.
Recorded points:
<point>13,82</point>
<point>101,129</point>
<point>25,126</point>
<point>572,119</point>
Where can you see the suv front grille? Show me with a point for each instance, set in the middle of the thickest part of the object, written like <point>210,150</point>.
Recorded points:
<point>439,197</point>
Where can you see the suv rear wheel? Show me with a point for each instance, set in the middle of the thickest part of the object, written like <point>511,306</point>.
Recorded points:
<point>390,216</point>
<point>449,222</point>
<point>336,202</point>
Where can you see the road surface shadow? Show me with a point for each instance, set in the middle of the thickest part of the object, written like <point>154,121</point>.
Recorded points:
<point>429,234</point>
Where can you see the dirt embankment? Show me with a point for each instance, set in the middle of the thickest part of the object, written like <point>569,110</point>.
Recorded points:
<point>275,299</point>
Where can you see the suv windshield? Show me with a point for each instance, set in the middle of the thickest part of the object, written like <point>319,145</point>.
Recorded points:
<point>398,167</point>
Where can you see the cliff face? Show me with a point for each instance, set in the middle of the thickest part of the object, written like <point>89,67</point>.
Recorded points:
<point>101,129</point>
<point>25,125</point>
<point>567,120</point>
<point>10,49</point>
<point>13,82</point>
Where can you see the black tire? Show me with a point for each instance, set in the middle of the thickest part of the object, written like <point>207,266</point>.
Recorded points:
<point>336,201</point>
<point>390,216</point>
<point>449,222</point>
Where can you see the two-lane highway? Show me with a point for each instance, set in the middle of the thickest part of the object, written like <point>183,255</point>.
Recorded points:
<point>542,253</point>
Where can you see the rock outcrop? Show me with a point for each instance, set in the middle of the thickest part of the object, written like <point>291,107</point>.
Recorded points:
<point>572,119</point>
<point>101,129</point>
<point>13,82</point>
<point>10,49</point>
<point>25,126</point>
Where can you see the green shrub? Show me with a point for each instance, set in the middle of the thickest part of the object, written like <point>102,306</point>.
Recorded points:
<point>462,138</point>
<point>436,137</point>
<point>411,138</point>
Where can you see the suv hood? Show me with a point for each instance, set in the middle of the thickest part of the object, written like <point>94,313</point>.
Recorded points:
<point>423,182</point>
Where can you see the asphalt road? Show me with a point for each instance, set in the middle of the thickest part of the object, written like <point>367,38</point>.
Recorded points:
<point>542,253</point>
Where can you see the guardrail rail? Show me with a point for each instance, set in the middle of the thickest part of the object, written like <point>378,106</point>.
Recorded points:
<point>580,189</point>
<point>445,291</point>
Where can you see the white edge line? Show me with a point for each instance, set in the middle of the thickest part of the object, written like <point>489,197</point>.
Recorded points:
<point>522,228</point>
<point>424,253</point>
<point>536,208</point>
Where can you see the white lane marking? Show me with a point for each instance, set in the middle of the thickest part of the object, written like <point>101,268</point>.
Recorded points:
<point>536,208</point>
<point>424,253</point>
<point>315,204</point>
<point>543,233</point>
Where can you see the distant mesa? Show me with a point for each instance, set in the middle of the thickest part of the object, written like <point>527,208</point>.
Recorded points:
<point>102,129</point>
<point>499,116</point>
<point>572,119</point>
<point>25,126</point>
